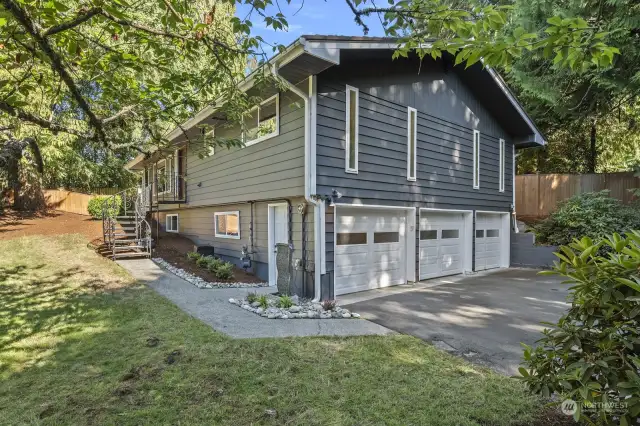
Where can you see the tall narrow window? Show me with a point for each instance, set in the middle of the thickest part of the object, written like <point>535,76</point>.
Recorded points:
<point>412,136</point>
<point>351,158</point>
<point>501,177</point>
<point>476,159</point>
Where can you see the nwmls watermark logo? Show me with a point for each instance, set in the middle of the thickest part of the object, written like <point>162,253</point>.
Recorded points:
<point>570,407</point>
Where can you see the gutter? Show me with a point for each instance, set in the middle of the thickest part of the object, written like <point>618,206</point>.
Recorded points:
<point>309,155</point>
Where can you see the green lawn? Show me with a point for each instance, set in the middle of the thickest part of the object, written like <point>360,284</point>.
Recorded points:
<point>77,347</point>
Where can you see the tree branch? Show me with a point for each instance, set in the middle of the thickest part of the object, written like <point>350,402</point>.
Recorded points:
<point>83,16</point>
<point>56,63</point>
<point>123,111</point>
<point>39,121</point>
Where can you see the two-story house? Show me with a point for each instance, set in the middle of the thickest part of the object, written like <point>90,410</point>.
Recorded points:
<point>376,171</point>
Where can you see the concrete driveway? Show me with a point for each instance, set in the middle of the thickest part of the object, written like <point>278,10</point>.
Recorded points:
<point>482,317</point>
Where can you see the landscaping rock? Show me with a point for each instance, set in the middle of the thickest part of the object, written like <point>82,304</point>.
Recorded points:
<point>305,308</point>
<point>199,282</point>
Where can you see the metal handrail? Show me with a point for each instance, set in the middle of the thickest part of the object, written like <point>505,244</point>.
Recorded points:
<point>125,203</point>
<point>170,188</point>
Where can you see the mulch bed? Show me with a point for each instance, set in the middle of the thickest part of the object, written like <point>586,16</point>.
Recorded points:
<point>174,248</point>
<point>15,224</point>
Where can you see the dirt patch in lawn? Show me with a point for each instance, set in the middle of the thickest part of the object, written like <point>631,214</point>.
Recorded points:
<point>174,248</point>
<point>14,224</point>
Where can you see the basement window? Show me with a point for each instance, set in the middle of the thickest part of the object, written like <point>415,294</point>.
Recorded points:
<point>262,122</point>
<point>351,120</point>
<point>227,224</point>
<point>172,223</point>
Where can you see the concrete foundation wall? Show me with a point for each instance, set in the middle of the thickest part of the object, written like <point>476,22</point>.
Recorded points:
<point>524,252</point>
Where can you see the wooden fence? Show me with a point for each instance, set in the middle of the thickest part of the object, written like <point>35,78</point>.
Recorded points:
<point>72,202</point>
<point>538,195</point>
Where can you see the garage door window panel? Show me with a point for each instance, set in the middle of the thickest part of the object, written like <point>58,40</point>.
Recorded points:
<point>493,233</point>
<point>479,233</point>
<point>386,237</point>
<point>450,233</point>
<point>431,234</point>
<point>351,238</point>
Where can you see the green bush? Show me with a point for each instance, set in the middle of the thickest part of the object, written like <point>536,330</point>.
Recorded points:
<point>593,215</point>
<point>95,206</point>
<point>193,256</point>
<point>203,261</point>
<point>224,271</point>
<point>252,297</point>
<point>213,264</point>
<point>264,301</point>
<point>285,302</point>
<point>592,355</point>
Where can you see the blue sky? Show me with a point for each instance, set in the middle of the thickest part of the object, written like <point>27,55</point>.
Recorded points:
<point>327,17</point>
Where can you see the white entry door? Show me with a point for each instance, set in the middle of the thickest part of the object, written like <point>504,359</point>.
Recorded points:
<point>370,249</point>
<point>488,241</point>
<point>441,244</point>
<point>278,233</point>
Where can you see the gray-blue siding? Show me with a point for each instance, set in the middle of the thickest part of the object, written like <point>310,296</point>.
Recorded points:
<point>447,116</point>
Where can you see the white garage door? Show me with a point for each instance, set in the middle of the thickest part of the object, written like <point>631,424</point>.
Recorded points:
<point>370,249</point>
<point>441,244</point>
<point>488,241</point>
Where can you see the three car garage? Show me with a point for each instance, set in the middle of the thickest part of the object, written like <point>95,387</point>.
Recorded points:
<point>377,246</point>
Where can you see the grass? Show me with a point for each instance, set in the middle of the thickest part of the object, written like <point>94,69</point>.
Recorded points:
<point>81,343</point>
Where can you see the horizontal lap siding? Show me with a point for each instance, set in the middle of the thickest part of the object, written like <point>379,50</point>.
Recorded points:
<point>197,224</point>
<point>447,116</point>
<point>273,168</point>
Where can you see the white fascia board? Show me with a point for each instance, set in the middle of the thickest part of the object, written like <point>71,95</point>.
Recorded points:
<point>516,104</point>
<point>292,52</point>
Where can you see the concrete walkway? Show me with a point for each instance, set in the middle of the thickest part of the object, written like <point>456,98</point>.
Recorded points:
<point>212,307</point>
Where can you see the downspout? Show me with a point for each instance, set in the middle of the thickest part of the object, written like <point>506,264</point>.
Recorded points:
<point>513,189</point>
<point>307,178</point>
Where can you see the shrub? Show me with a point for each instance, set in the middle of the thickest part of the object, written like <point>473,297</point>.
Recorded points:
<point>213,264</point>
<point>224,271</point>
<point>328,305</point>
<point>95,206</point>
<point>203,261</point>
<point>593,214</point>
<point>285,302</point>
<point>193,256</point>
<point>252,297</point>
<point>592,355</point>
<point>264,301</point>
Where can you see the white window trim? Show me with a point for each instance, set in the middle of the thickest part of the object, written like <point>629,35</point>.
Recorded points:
<point>502,166</point>
<point>272,134</point>
<point>211,150</point>
<point>215,224</point>
<point>347,157</point>
<point>476,159</point>
<point>415,144</point>
<point>167,222</point>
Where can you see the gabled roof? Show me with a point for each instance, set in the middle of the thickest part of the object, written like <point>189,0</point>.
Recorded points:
<point>312,54</point>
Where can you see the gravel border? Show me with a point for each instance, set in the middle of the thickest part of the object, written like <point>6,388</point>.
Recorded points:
<point>199,282</point>
<point>302,309</point>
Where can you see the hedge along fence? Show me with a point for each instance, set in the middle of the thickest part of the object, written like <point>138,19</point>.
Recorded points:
<point>70,201</point>
<point>539,195</point>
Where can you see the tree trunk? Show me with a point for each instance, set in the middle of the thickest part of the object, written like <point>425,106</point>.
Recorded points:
<point>593,153</point>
